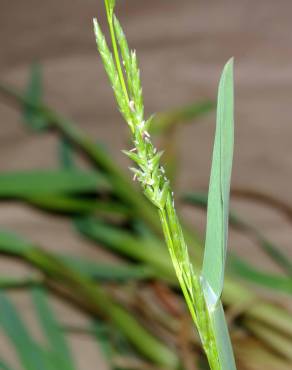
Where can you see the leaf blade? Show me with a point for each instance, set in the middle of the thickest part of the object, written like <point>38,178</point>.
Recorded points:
<point>56,339</point>
<point>219,188</point>
<point>36,182</point>
<point>27,349</point>
<point>276,282</point>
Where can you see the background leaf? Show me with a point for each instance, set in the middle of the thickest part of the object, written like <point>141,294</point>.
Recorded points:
<point>66,154</point>
<point>279,283</point>
<point>28,351</point>
<point>24,184</point>
<point>165,121</point>
<point>34,93</point>
<point>58,346</point>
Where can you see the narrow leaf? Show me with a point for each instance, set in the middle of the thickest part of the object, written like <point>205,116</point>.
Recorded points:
<point>102,333</point>
<point>219,188</point>
<point>27,350</point>
<point>146,251</point>
<point>77,205</point>
<point>276,282</point>
<point>56,339</point>
<point>18,282</point>
<point>108,272</point>
<point>22,184</point>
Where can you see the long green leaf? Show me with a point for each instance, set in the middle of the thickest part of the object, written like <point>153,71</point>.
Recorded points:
<point>76,205</point>
<point>275,253</point>
<point>58,345</point>
<point>12,244</point>
<point>276,282</point>
<point>102,333</point>
<point>23,184</point>
<point>147,251</point>
<point>18,282</point>
<point>28,351</point>
<point>108,272</point>
<point>219,188</point>
<point>96,298</point>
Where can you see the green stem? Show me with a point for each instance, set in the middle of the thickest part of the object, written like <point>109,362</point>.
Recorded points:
<point>169,242</point>
<point>189,283</point>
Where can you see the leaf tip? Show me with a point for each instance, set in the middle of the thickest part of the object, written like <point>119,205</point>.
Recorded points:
<point>95,23</point>
<point>229,65</point>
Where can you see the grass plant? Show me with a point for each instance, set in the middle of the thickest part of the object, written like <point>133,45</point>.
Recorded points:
<point>202,292</point>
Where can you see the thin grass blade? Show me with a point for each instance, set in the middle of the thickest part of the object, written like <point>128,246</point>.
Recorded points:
<point>219,188</point>
<point>56,339</point>
<point>28,351</point>
<point>69,205</point>
<point>18,282</point>
<point>12,244</point>
<point>146,251</point>
<point>102,333</point>
<point>108,272</point>
<point>23,184</point>
<point>276,282</point>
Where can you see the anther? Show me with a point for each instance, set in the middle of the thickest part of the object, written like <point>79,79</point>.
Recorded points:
<point>132,105</point>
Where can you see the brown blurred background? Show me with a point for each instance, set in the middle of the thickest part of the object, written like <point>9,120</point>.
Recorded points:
<point>182,47</point>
